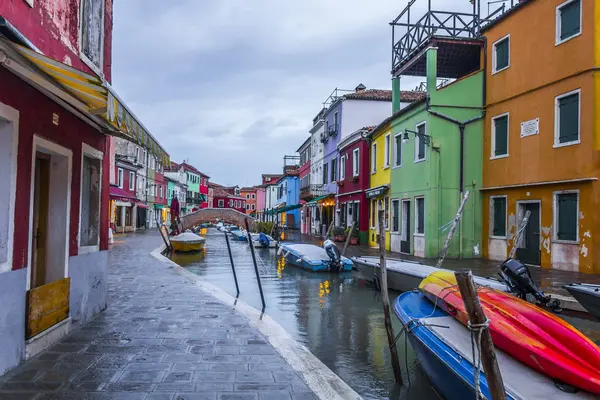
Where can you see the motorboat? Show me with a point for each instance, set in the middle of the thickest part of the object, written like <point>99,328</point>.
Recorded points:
<point>187,241</point>
<point>587,295</point>
<point>315,258</point>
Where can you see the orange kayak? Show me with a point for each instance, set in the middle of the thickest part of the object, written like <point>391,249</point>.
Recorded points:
<point>526,332</point>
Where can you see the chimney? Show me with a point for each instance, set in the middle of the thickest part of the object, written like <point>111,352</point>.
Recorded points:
<point>360,87</point>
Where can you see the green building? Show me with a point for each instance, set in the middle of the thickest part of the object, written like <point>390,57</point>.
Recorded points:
<point>435,155</point>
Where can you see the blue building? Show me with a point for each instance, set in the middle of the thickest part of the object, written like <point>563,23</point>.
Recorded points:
<point>288,204</point>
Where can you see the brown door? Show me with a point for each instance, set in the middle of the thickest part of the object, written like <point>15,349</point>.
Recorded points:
<point>40,219</point>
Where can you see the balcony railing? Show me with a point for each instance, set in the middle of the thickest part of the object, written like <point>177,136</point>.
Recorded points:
<point>445,24</point>
<point>333,129</point>
<point>192,200</point>
<point>311,191</point>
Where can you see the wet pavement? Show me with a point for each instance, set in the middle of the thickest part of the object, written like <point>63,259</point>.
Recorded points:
<point>338,317</point>
<point>160,338</point>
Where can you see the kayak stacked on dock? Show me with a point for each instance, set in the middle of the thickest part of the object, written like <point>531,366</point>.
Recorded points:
<point>540,355</point>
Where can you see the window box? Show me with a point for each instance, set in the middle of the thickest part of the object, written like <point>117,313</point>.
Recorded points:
<point>354,179</point>
<point>340,183</point>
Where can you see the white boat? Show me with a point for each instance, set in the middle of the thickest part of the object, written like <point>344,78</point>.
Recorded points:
<point>263,241</point>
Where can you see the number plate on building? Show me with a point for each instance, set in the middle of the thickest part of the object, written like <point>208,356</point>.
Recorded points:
<point>530,128</point>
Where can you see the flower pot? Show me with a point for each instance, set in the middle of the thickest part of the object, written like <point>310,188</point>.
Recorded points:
<point>354,241</point>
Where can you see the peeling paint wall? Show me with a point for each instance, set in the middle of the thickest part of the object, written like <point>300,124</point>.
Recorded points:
<point>53,27</point>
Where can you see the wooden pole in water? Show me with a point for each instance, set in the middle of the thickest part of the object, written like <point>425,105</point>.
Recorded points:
<point>477,318</point>
<point>519,234</point>
<point>348,238</point>
<point>452,230</point>
<point>386,303</point>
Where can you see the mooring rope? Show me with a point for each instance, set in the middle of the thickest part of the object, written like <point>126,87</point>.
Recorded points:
<point>476,333</point>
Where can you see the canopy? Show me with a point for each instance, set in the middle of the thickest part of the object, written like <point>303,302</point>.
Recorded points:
<point>120,194</point>
<point>317,200</point>
<point>287,208</point>
<point>376,191</point>
<point>88,93</point>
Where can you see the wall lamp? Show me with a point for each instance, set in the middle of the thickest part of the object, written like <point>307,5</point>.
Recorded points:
<point>425,138</point>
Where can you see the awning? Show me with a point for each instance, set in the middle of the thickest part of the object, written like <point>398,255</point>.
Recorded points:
<point>314,202</point>
<point>287,208</point>
<point>141,205</point>
<point>117,193</point>
<point>158,206</point>
<point>376,191</point>
<point>90,94</point>
<point>121,203</point>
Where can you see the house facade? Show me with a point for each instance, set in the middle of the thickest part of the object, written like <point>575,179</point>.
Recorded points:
<point>123,200</point>
<point>224,199</point>
<point>304,172</point>
<point>353,182</point>
<point>53,137</point>
<point>540,149</point>
<point>260,202</point>
<point>287,206</point>
<point>249,193</point>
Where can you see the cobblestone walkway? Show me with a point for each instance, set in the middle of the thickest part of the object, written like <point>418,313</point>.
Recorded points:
<point>160,338</point>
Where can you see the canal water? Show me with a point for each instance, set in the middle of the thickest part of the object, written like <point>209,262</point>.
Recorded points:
<point>338,317</point>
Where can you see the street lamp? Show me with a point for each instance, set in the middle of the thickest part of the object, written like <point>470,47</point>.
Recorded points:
<point>422,136</point>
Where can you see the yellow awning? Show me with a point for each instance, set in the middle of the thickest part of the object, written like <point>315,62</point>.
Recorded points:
<point>98,97</point>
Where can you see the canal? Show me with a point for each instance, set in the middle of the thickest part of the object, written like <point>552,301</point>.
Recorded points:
<point>338,317</point>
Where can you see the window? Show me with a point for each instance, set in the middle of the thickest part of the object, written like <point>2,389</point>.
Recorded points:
<point>145,158</point>
<point>253,207</point>
<point>120,178</point>
<point>501,55</point>
<point>420,144</point>
<point>568,21</point>
<point>335,121</point>
<point>566,206</point>
<point>498,222</point>
<point>373,209</point>
<point>253,196</point>
<point>342,168</point>
<point>92,33</point>
<point>398,150</point>
<point>247,195</point>
<point>387,152</point>
<point>160,192</point>
<point>355,162</point>
<point>420,216</point>
<point>221,203</point>
<point>566,123</point>
<point>231,203</point>
<point>334,170</point>
<point>374,158</point>
<point>89,231</point>
<point>386,220</point>
<point>131,180</point>
<point>247,207</point>
<point>137,154</point>
<point>500,136</point>
<point>395,215</point>
<point>325,170</point>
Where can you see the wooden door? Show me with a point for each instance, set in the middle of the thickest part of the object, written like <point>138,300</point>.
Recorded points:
<point>40,219</point>
<point>530,250</point>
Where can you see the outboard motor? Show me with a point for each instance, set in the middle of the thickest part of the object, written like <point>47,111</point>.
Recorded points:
<point>335,258</point>
<point>263,240</point>
<point>518,278</point>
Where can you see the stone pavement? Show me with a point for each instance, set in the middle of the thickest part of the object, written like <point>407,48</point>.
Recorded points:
<point>160,338</point>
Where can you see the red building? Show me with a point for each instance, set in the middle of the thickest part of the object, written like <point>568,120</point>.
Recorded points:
<point>56,110</point>
<point>270,179</point>
<point>123,196</point>
<point>353,181</point>
<point>249,193</point>
<point>224,199</point>
<point>204,181</point>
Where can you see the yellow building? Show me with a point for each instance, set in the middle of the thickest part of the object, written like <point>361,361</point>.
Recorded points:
<point>378,192</point>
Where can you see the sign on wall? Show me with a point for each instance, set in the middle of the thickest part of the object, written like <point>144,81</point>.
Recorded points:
<point>530,128</point>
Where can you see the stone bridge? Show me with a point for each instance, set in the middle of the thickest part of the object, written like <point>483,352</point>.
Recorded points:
<point>213,215</point>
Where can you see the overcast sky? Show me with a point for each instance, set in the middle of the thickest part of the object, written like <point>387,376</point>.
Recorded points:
<point>232,85</point>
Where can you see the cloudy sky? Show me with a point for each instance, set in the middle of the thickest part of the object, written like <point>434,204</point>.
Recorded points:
<point>232,85</point>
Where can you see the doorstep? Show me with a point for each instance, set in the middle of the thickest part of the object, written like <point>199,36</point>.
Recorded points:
<point>46,338</point>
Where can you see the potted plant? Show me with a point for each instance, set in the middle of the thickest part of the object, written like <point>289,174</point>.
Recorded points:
<point>353,237</point>
<point>339,234</point>
<point>354,179</point>
<point>340,183</point>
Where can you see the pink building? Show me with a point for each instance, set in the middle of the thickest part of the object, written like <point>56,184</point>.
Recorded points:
<point>261,202</point>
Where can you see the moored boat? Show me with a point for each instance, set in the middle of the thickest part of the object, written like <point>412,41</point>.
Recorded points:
<point>187,241</point>
<point>262,240</point>
<point>443,347</point>
<point>404,275</point>
<point>314,258</point>
<point>526,332</point>
<point>587,295</point>
<point>238,235</point>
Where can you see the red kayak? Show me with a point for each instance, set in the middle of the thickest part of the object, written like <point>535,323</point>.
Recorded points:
<point>526,332</point>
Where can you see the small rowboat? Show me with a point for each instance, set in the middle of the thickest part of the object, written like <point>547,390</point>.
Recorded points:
<point>187,241</point>
<point>587,295</point>
<point>312,258</point>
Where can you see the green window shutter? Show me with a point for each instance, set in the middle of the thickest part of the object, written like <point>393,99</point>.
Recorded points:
<point>570,22</point>
<point>421,149</point>
<point>499,216</point>
<point>421,215</point>
<point>502,50</point>
<point>396,216</point>
<point>501,136</point>
<point>567,216</point>
<point>568,108</point>
<point>398,150</point>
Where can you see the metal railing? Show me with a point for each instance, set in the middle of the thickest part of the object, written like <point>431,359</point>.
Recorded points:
<point>312,190</point>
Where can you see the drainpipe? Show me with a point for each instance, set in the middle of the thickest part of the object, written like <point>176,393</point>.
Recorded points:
<point>395,95</point>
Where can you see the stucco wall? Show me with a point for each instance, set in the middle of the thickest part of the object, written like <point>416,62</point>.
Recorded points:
<point>89,285</point>
<point>12,318</point>
<point>361,113</point>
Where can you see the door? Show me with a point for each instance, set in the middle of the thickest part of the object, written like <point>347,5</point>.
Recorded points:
<point>405,239</point>
<point>41,201</point>
<point>529,251</point>
<point>291,221</point>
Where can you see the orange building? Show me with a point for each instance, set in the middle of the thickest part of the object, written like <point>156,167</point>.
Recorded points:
<point>249,193</point>
<point>541,129</point>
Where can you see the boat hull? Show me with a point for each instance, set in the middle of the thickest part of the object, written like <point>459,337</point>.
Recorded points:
<point>588,296</point>
<point>294,255</point>
<point>396,281</point>
<point>187,247</point>
<point>531,335</point>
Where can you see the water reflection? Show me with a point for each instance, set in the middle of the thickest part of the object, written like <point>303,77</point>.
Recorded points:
<point>338,317</point>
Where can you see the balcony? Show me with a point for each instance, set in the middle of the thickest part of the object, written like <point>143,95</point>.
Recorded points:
<point>333,129</point>
<point>309,192</point>
<point>455,34</point>
<point>192,200</point>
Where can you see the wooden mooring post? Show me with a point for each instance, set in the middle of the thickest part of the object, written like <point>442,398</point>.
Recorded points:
<point>329,230</point>
<point>237,286</point>
<point>519,234</point>
<point>452,230</point>
<point>262,296</point>
<point>386,303</point>
<point>348,238</point>
<point>478,320</point>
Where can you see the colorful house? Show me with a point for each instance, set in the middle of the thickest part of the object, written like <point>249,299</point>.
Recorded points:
<point>249,193</point>
<point>224,199</point>
<point>542,130</point>
<point>305,176</point>
<point>123,197</point>
<point>354,181</point>
<point>261,200</point>
<point>287,207</point>
<point>55,163</point>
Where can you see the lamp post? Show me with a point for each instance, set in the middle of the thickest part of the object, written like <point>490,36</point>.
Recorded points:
<point>422,136</point>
